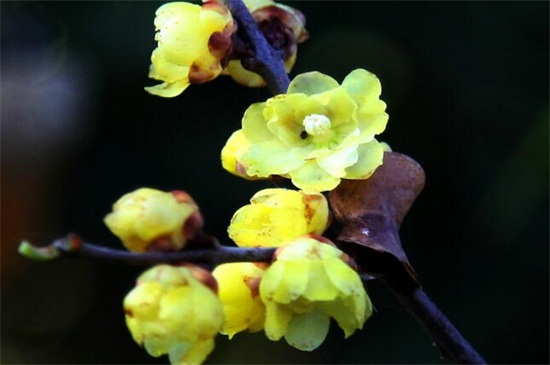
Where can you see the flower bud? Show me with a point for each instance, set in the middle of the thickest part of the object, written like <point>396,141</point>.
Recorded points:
<point>239,292</point>
<point>152,220</point>
<point>277,216</point>
<point>171,312</point>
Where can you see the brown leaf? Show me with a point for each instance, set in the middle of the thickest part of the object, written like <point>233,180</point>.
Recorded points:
<point>371,212</point>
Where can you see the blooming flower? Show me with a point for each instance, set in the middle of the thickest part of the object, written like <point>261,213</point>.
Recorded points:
<point>152,220</point>
<point>276,216</point>
<point>309,283</point>
<point>171,312</point>
<point>238,289</point>
<point>316,134</point>
<point>192,41</point>
<point>283,27</point>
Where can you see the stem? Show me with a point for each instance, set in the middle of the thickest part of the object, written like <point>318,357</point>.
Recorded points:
<point>446,337</point>
<point>266,62</point>
<point>75,248</point>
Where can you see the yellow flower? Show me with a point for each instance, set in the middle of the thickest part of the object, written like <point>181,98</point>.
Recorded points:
<point>238,289</point>
<point>317,133</point>
<point>276,216</point>
<point>308,283</point>
<point>171,312</point>
<point>192,41</point>
<point>283,27</point>
<point>152,220</point>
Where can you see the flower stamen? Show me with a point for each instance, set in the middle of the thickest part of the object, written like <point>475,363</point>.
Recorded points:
<point>316,124</point>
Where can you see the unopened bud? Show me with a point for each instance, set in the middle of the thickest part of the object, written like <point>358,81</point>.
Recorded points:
<point>152,220</point>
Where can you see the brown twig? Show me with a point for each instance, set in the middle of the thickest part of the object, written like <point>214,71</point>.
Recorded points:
<point>450,342</point>
<point>73,247</point>
<point>266,62</point>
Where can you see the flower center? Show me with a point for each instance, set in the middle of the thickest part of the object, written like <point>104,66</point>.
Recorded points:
<point>316,124</point>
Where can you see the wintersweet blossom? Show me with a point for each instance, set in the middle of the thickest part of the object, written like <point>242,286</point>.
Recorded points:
<point>316,134</point>
<point>192,42</point>
<point>152,220</point>
<point>238,290</point>
<point>172,312</point>
<point>277,216</point>
<point>310,282</point>
<point>283,27</point>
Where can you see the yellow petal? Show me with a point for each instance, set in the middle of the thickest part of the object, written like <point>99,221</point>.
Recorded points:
<point>311,177</point>
<point>269,158</point>
<point>307,331</point>
<point>337,162</point>
<point>293,283</point>
<point>372,122</point>
<point>232,153</point>
<point>362,85</point>
<point>196,354</point>
<point>370,157</point>
<point>168,90</point>
<point>345,314</point>
<point>341,109</point>
<point>310,83</point>
<point>249,227</point>
<point>241,75</point>
<point>342,276</point>
<point>254,124</point>
<point>169,72</point>
<point>319,286</point>
<point>276,320</point>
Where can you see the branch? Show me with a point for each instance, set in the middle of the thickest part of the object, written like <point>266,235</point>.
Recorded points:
<point>446,337</point>
<point>266,62</point>
<point>73,247</point>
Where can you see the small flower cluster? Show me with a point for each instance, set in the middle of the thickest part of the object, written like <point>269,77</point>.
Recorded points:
<point>316,134</point>
<point>178,310</point>
<point>309,281</point>
<point>198,43</point>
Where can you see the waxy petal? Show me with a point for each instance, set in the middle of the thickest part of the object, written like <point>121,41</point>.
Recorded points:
<point>312,177</point>
<point>310,83</point>
<point>337,162</point>
<point>307,331</point>
<point>370,157</point>
<point>269,158</point>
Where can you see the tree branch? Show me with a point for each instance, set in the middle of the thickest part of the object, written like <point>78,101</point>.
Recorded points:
<point>266,62</point>
<point>73,247</point>
<point>446,337</point>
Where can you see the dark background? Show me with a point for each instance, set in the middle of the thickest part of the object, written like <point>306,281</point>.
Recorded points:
<point>466,85</point>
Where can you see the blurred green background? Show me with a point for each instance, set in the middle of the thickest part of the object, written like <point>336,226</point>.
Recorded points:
<point>466,85</point>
